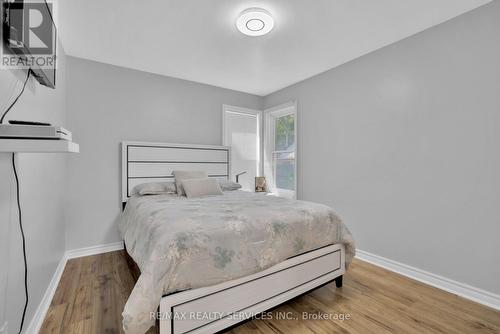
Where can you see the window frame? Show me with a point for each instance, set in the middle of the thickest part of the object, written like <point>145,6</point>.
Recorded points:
<point>270,116</point>
<point>245,111</point>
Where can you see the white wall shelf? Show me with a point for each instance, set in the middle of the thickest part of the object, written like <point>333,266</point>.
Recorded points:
<point>38,146</point>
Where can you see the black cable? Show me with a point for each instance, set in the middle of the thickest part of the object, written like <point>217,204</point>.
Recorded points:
<point>24,243</point>
<point>17,98</point>
<point>48,9</point>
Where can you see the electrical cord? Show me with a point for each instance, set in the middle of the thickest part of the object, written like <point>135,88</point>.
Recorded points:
<point>48,10</point>
<point>24,242</point>
<point>18,197</point>
<point>17,98</point>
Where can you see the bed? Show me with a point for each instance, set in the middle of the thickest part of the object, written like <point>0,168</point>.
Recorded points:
<point>209,263</point>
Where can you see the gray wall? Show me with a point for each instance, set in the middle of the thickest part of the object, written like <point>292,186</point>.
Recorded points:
<point>404,144</point>
<point>108,104</point>
<point>42,180</point>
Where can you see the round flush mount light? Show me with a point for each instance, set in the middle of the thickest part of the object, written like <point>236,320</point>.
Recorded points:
<point>255,22</point>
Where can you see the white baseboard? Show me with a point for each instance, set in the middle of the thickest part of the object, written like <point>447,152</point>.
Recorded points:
<point>464,290</point>
<point>37,320</point>
<point>74,253</point>
<point>41,311</point>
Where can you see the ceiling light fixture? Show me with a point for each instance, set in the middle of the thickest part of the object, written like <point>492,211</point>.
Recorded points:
<point>255,22</point>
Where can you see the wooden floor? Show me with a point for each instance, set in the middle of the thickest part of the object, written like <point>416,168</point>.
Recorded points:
<point>94,289</point>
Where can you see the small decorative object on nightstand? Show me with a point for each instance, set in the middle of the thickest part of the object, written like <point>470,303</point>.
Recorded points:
<point>260,184</point>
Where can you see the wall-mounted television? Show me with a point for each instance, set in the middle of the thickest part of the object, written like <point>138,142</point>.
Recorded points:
<point>29,39</point>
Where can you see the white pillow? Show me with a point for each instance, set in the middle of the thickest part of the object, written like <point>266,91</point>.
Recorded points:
<point>181,175</point>
<point>201,187</point>
<point>228,185</point>
<point>154,188</point>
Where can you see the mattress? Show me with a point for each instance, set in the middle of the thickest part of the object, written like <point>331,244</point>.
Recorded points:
<point>180,243</point>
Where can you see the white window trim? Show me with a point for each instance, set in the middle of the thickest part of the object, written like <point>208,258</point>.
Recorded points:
<point>246,111</point>
<point>278,111</point>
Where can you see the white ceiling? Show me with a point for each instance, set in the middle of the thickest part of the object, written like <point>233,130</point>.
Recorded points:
<point>197,40</point>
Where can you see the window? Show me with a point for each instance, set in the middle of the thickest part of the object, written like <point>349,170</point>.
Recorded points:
<point>241,131</point>
<point>281,149</point>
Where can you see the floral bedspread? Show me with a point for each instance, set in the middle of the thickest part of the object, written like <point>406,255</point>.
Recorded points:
<point>180,243</point>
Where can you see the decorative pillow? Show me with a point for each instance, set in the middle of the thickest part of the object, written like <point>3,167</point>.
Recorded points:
<point>181,175</point>
<point>170,187</point>
<point>154,188</point>
<point>228,185</point>
<point>201,187</point>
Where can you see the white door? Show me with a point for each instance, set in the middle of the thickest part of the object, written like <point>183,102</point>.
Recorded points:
<point>241,131</point>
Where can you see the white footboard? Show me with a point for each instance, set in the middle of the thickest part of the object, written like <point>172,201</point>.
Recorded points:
<point>211,309</point>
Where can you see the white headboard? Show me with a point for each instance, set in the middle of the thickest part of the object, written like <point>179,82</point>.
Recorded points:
<point>154,162</point>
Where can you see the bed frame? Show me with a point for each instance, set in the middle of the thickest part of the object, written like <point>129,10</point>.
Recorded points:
<point>222,306</point>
